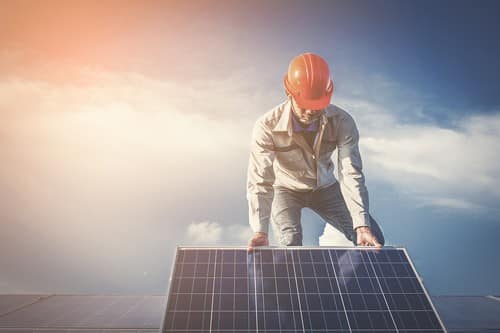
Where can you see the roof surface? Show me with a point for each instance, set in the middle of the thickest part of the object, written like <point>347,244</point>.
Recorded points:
<point>133,313</point>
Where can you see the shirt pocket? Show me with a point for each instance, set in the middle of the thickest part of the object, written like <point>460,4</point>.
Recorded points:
<point>290,157</point>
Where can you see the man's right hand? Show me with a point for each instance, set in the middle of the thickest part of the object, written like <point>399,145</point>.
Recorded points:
<point>258,239</point>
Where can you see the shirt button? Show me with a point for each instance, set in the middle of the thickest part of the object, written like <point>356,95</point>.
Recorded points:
<point>314,157</point>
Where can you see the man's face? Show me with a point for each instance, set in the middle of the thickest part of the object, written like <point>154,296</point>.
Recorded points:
<point>305,116</point>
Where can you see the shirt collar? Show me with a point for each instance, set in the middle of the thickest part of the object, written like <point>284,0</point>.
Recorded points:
<point>285,123</point>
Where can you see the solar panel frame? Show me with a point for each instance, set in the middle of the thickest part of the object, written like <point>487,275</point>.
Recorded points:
<point>169,287</point>
<point>336,277</point>
<point>420,280</point>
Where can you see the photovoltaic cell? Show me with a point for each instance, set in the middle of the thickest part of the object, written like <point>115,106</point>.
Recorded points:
<point>297,289</point>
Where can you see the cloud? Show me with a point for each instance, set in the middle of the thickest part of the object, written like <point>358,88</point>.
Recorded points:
<point>450,203</point>
<point>214,234</point>
<point>112,159</point>
<point>444,167</point>
<point>239,234</point>
<point>205,232</point>
<point>118,124</point>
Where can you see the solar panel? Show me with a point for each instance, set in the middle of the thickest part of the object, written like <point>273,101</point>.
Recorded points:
<point>297,289</point>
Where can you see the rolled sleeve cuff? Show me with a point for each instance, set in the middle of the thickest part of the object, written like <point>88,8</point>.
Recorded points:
<point>362,220</point>
<point>260,227</point>
<point>259,212</point>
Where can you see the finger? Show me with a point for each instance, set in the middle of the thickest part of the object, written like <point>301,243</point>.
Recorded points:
<point>374,241</point>
<point>255,242</point>
<point>263,241</point>
<point>250,247</point>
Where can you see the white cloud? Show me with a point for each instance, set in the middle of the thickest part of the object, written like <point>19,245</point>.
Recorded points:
<point>239,234</point>
<point>135,133</point>
<point>119,134</point>
<point>117,159</point>
<point>450,203</point>
<point>215,234</point>
<point>333,237</point>
<point>453,168</point>
<point>204,232</point>
<point>120,154</point>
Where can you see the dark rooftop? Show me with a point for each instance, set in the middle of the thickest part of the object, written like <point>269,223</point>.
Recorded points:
<point>132,313</point>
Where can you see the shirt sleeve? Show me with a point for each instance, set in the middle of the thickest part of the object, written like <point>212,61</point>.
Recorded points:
<point>350,173</point>
<point>260,178</point>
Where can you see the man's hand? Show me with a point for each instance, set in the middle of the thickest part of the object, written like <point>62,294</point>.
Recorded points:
<point>366,238</point>
<point>258,239</point>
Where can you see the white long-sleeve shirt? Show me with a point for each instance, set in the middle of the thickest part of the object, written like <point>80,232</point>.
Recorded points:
<point>280,157</point>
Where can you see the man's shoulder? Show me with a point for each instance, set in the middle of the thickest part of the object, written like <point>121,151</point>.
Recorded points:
<point>271,117</point>
<point>338,116</point>
<point>336,111</point>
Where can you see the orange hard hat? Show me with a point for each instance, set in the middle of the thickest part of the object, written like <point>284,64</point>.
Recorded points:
<point>308,81</point>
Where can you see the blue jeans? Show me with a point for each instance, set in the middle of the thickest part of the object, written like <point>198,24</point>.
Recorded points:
<point>327,202</point>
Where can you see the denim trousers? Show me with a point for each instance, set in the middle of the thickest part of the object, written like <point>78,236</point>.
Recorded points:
<point>327,202</point>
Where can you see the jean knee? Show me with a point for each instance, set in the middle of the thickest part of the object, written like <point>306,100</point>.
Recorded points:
<point>292,238</point>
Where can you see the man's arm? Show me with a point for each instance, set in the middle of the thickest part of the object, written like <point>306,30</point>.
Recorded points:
<point>260,180</point>
<point>353,181</point>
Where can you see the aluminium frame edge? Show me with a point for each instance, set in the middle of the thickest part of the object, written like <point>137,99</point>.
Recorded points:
<point>181,247</point>
<point>419,278</point>
<point>167,296</point>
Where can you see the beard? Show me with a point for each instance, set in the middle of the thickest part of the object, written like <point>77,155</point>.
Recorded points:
<point>308,120</point>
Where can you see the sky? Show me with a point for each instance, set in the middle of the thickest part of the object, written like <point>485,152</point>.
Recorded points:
<point>125,132</point>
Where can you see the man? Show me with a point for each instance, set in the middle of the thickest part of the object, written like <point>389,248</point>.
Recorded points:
<point>290,164</point>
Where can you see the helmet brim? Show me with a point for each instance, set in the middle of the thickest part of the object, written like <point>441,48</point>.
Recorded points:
<point>313,104</point>
<point>310,104</point>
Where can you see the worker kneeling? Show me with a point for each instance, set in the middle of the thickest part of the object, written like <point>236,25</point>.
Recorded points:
<point>290,165</point>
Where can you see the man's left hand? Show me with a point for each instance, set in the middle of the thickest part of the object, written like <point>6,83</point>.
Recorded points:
<point>366,238</point>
